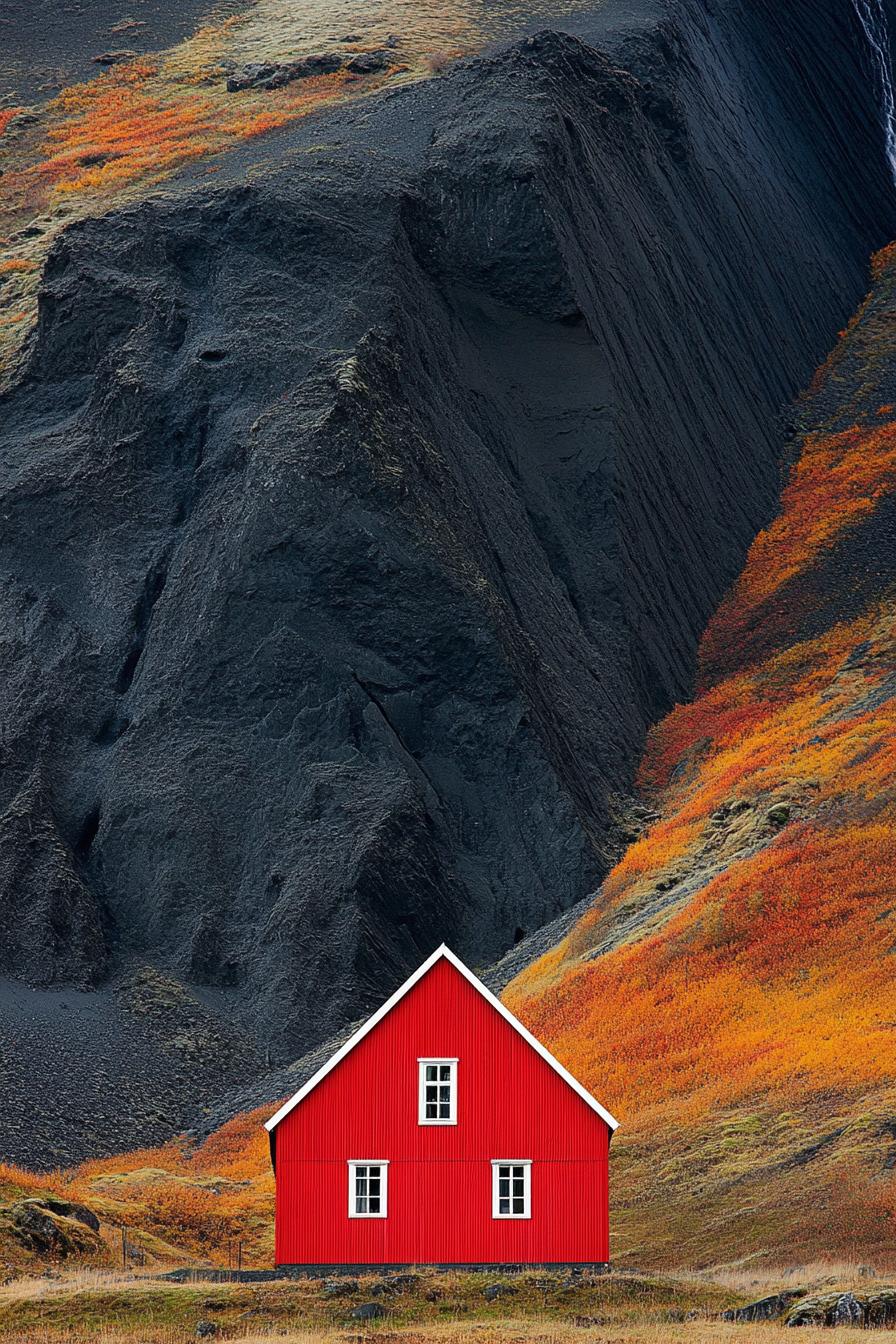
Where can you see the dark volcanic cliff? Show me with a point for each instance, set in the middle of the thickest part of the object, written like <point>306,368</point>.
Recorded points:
<point>362,510</point>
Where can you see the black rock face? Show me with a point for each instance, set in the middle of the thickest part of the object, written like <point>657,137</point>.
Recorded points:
<point>362,511</point>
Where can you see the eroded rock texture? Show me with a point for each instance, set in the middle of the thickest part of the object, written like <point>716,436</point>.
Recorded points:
<point>362,509</point>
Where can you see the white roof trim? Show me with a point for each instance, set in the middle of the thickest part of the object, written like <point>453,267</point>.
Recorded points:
<point>390,1003</point>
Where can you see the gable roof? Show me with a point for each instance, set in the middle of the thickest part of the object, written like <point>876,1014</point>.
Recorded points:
<point>440,953</point>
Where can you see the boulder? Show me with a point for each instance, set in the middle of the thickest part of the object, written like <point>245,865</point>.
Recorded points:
<point>816,1310</point>
<point>880,1308</point>
<point>495,1290</point>
<point>368,1311</point>
<point>68,1209</point>
<point>39,1228</point>
<point>276,74</point>
<point>339,1287</point>
<point>848,1311</point>
<point>369,62</point>
<point>765,1308</point>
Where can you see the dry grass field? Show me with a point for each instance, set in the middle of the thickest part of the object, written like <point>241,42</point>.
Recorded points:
<point>105,1307</point>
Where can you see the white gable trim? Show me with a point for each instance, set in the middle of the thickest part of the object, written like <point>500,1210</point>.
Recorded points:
<point>390,1003</point>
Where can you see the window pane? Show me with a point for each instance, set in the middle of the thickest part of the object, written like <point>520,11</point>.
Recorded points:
<point>504,1206</point>
<point>360,1171</point>
<point>445,1073</point>
<point>432,1111</point>
<point>432,1073</point>
<point>504,1188</point>
<point>374,1204</point>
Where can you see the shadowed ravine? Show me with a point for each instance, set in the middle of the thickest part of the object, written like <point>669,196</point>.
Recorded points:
<point>364,507</point>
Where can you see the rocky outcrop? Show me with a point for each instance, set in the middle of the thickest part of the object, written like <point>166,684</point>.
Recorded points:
<point>873,1310</point>
<point>277,74</point>
<point>54,1227</point>
<point>362,510</point>
<point>766,1308</point>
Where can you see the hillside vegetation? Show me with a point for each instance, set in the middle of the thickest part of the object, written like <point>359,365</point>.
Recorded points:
<point>365,500</point>
<point>113,139</point>
<point>730,993</point>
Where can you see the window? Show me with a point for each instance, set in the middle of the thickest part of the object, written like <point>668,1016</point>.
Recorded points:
<point>368,1185</point>
<point>511,1189</point>
<point>438,1091</point>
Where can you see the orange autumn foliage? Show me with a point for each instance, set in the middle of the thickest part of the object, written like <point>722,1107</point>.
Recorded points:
<point>732,986</point>
<point>837,483</point>
<point>747,941</point>
<point>120,129</point>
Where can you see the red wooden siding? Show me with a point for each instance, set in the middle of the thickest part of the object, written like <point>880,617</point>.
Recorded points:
<point>510,1105</point>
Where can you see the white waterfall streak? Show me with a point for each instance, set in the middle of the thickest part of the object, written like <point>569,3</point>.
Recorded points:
<point>873,18</point>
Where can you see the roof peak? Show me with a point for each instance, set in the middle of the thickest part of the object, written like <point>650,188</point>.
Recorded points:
<point>442,951</point>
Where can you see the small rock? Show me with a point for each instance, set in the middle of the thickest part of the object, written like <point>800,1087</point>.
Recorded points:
<point>495,1290</point>
<point>339,1287</point>
<point>369,62</point>
<point>779,815</point>
<point>206,1330</point>
<point>115,57</point>
<point>402,1283</point>
<point>368,1311</point>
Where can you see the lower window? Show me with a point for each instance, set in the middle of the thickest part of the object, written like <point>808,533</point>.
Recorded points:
<point>511,1189</point>
<point>368,1189</point>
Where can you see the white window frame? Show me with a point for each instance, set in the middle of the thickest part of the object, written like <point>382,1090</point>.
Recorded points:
<point>526,1164</point>
<point>421,1091</point>
<point>353,1165</point>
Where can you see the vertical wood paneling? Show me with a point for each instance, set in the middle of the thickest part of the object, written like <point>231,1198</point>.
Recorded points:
<point>511,1104</point>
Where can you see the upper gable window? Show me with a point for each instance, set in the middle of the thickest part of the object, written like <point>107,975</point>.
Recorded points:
<point>438,1091</point>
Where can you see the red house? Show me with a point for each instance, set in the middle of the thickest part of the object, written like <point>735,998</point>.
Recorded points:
<point>441,1133</point>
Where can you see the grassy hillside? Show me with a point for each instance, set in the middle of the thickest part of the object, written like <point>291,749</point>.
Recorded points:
<point>730,995</point>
